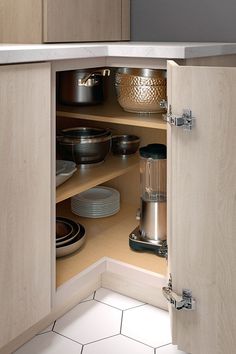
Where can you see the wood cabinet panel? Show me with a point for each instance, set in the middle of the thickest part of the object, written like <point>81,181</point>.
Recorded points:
<point>25,213</point>
<point>21,21</point>
<point>202,199</point>
<point>44,21</point>
<point>82,20</point>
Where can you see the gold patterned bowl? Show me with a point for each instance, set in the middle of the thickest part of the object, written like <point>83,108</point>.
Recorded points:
<point>140,90</point>
<point>134,80</point>
<point>141,98</point>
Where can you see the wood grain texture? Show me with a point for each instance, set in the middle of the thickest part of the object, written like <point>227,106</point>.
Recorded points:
<point>105,237</point>
<point>82,20</point>
<point>25,228</point>
<point>203,203</point>
<point>21,21</point>
<point>125,20</point>
<point>113,113</point>
<point>84,179</point>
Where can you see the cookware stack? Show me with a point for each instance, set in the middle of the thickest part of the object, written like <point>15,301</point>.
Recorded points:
<point>84,145</point>
<point>70,236</point>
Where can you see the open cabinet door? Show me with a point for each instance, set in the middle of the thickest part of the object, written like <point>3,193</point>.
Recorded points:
<point>202,207</point>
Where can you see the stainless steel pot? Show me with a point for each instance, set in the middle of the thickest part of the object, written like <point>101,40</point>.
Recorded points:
<point>81,87</point>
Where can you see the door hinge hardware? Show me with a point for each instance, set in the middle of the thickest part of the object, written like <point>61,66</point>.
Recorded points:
<point>185,121</point>
<point>163,104</point>
<point>184,302</point>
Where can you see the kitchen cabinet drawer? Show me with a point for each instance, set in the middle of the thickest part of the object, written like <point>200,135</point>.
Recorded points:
<point>53,21</point>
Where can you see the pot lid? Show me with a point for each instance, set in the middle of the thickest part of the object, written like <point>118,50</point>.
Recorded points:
<point>153,151</point>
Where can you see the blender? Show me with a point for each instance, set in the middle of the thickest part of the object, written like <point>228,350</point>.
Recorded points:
<point>150,235</point>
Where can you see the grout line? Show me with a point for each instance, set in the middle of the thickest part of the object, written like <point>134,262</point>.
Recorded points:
<point>108,305</point>
<point>131,308</point>
<point>99,340</point>
<point>164,345</point>
<point>54,325</point>
<point>62,335</point>
<point>81,302</point>
<point>138,341</point>
<point>121,322</point>
<point>50,330</point>
<point>40,334</point>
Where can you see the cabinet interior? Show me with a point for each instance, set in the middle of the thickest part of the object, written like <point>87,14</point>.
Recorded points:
<point>108,236</point>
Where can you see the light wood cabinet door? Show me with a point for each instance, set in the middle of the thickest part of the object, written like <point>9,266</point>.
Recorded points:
<point>25,213</point>
<point>202,207</point>
<point>83,20</point>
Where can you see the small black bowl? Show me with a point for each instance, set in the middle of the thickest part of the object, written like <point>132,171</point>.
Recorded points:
<point>125,144</point>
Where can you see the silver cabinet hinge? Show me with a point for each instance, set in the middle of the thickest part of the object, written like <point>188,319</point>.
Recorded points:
<point>185,120</point>
<point>184,302</point>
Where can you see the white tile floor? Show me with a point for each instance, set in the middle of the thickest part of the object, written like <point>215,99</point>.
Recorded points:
<point>106,323</point>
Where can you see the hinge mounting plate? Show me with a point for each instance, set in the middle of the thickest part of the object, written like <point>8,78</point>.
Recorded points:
<point>185,120</point>
<point>184,302</point>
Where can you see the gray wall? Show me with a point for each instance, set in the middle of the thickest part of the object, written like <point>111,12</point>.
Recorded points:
<point>183,20</point>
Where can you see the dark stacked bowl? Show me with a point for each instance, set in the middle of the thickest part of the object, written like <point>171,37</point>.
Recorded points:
<point>84,145</point>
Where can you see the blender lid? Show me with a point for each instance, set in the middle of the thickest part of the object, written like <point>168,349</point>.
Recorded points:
<point>153,151</point>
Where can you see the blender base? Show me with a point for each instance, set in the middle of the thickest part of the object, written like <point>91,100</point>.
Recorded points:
<point>139,244</point>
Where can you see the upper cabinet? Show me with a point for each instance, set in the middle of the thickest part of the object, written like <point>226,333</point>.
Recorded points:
<point>54,21</point>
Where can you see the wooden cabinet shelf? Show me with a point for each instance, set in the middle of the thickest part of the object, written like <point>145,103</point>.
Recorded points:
<point>113,113</point>
<point>106,237</point>
<point>87,178</point>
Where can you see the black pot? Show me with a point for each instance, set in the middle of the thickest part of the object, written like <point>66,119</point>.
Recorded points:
<point>84,145</point>
<point>82,87</point>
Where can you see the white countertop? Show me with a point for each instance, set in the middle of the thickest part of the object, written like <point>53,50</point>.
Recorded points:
<point>11,53</point>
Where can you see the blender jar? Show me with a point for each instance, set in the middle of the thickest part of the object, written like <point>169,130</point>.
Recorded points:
<point>153,193</point>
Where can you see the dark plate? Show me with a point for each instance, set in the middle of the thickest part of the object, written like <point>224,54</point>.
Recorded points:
<point>73,245</point>
<point>75,230</point>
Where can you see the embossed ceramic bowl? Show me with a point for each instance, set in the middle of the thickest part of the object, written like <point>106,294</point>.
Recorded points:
<point>140,90</point>
<point>141,98</point>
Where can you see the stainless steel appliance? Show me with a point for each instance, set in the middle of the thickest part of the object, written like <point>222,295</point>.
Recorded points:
<point>150,235</point>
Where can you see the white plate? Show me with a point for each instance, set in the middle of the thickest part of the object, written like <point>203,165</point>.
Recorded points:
<point>98,195</point>
<point>96,215</point>
<point>96,202</point>
<point>64,170</point>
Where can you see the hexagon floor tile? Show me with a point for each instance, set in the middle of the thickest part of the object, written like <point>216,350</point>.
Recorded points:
<point>96,324</point>
<point>117,300</point>
<point>117,345</point>
<point>50,343</point>
<point>89,321</point>
<point>148,325</point>
<point>169,349</point>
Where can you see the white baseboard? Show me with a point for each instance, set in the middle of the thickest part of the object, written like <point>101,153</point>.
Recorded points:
<point>128,280</point>
<point>134,282</point>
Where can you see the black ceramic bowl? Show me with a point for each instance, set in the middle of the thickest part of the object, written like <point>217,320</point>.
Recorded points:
<point>84,145</point>
<point>125,144</point>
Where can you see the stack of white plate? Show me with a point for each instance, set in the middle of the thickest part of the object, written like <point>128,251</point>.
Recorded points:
<point>96,202</point>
